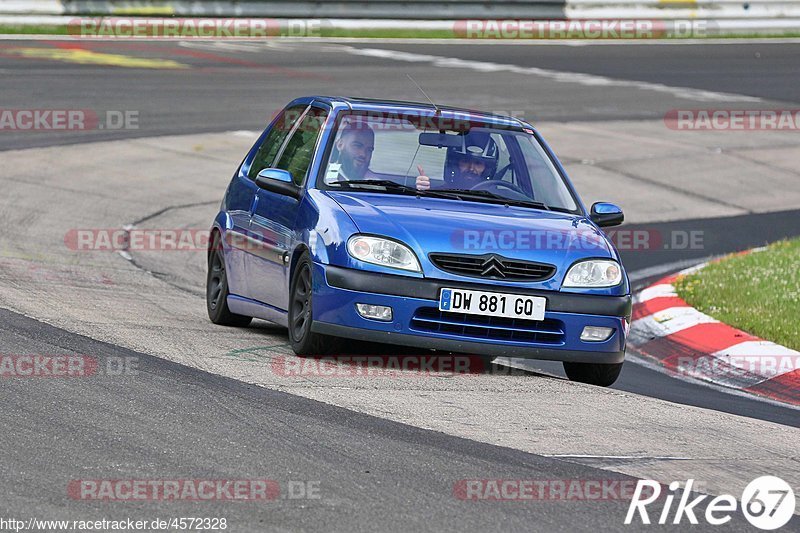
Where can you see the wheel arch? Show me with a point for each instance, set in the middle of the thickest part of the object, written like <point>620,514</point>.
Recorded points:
<point>297,253</point>
<point>222,222</point>
<point>214,232</point>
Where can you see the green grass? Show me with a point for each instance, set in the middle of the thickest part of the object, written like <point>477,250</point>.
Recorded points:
<point>23,29</point>
<point>19,29</point>
<point>758,293</point>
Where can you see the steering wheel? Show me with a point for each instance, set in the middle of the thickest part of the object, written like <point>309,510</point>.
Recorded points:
<point>496,184</point>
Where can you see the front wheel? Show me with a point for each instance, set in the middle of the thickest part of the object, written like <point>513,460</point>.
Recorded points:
<point>593,373</point>
<point>303,340</point>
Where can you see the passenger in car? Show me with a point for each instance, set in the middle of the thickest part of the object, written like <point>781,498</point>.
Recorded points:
<point>355,146</point>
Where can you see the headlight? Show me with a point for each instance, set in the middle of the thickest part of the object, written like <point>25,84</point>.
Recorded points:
<point>594,273</point>
<point>382,252</point>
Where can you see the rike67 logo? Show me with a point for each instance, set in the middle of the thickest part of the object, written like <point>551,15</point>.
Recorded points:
<point>768,502</point>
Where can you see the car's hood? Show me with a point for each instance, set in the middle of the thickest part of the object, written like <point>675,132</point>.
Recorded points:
<point>449,226</point>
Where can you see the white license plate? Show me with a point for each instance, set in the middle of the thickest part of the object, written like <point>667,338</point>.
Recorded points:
<point>492,304</point>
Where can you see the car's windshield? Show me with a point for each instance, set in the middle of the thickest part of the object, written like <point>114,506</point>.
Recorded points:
<point>470,162</point>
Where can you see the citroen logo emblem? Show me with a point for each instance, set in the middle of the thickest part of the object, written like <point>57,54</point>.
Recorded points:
<point>492,267</point>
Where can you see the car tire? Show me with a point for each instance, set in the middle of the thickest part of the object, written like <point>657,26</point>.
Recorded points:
<point>217,290</point>
<point>593,373</point>
<point>484,363</point>
<point>305,342</point>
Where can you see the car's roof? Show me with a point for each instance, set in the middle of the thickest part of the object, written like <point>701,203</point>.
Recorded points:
<point>425,108</point>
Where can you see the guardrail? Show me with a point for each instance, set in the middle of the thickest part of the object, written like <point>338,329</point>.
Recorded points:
<point>31,7</point>
<point>340,9</point>
<point>670,9</point>
<point>723,16</point>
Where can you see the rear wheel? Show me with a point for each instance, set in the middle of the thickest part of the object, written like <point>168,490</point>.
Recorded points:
<point>304,341</point>
<point>217,290</point>
<point>593,373</point>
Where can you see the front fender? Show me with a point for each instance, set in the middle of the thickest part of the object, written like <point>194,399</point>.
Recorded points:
<point>326,228</point>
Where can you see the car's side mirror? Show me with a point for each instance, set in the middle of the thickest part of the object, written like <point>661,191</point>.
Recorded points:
<point>278,181</point>
<point>606,215</point>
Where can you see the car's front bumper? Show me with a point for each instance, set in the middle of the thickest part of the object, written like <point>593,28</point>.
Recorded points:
<point>337,291</point>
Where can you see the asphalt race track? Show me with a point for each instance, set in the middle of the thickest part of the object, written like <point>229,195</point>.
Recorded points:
<point>386,453</point>
<point>226,86</point>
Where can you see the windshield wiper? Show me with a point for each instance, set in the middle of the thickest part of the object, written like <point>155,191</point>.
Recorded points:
<point>393,186</point>
<point>450,194</point>
<point>496,198</point>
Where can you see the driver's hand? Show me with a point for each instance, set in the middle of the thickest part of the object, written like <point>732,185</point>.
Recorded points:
<point>423,181</point>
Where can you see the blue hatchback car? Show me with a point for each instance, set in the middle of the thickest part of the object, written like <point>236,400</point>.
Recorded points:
<point>423,226</point>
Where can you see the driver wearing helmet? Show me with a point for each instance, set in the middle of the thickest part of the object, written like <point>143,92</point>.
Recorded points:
<point>475,161</point>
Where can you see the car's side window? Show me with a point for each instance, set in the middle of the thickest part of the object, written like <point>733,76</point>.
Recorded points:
<point>296,156</point>
<point>265,156</point>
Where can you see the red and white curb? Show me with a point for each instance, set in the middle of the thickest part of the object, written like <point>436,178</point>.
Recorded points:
<point>678,337</point>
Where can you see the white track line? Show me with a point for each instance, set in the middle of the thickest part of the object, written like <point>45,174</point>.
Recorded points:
<point>656,291</point>
<point>590,80</point>
<point>756,349</point>
<point>672,320</point>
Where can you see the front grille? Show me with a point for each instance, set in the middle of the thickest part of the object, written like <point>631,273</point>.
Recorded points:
<point>492,266</point>
<point>479,327</point>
